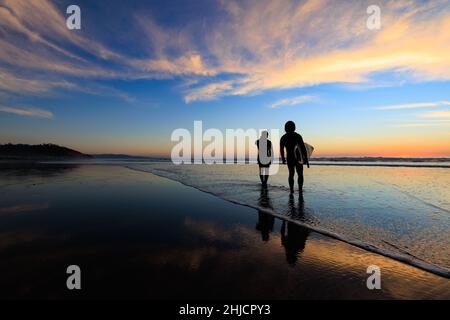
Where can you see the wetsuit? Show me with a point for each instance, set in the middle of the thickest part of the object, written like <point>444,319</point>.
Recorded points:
<point>289,141</point>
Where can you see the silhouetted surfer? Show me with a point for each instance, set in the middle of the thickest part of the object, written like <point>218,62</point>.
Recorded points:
<point>296,154</point>
<point>265,155</point>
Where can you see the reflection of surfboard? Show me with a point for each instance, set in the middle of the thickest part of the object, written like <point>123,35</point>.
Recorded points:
<point>298,152</point>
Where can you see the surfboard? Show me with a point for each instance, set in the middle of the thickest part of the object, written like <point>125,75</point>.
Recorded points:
<point>298,152</point>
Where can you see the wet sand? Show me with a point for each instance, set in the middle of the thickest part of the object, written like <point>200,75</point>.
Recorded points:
<point>137,235</point>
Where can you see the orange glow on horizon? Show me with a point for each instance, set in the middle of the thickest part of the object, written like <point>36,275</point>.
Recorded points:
<point>405,146</point>
<point>325,151</point>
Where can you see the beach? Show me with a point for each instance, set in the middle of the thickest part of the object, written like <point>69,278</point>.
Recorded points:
<point>135,234</point>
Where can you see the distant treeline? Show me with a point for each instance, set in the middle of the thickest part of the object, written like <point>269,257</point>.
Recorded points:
<point>38,152</point>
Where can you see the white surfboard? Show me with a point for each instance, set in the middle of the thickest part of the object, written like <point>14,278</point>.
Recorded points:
<point>298,152</point>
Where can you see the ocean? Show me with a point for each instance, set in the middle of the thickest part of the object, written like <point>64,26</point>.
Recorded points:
<point>400,210</point>
<point>136,234</point>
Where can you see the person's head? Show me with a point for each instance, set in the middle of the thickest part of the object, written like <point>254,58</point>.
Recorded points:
<point>289,126</point>
<point>264,134</point>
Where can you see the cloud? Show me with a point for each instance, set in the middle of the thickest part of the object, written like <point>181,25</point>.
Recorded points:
<point>209,92</point>
<point>291,101</point>
<point>37,86</point>
<point>189,64</point>
<point>413,125</point>
<point>286,44</point>
<point>363,86</point>
<point>436,114</point>
<point>16,83</point>
<point>34,40</point>
<point>42,22</point>
<point>239,48</point>
<point>433,118</point>
<point>27,111</point>
<point>415,105</point>
<point>39,54</point>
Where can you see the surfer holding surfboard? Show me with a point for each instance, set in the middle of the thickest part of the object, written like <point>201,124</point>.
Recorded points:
<point>265,156</point>
<point>297,154</point>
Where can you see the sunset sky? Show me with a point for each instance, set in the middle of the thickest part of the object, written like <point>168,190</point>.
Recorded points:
<point>137,70</point>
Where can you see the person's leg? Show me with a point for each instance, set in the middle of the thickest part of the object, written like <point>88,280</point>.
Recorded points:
<point>291,168</point>
<point>261,175</point>
<point>266,175</point>
<point>300,179</point>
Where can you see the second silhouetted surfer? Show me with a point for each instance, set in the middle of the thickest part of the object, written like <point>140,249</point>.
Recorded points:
<point>296,154</point>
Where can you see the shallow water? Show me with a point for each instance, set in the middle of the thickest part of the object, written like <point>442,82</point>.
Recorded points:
<point>401,212</point>
<point>136,235</point>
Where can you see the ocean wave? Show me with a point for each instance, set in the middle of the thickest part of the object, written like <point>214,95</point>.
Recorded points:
<point>396,253</point>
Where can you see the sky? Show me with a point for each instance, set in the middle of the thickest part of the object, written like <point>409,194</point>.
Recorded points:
<point>137,70</point>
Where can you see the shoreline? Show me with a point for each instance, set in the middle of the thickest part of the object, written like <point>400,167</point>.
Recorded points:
<point>121,161</point>
<point>129,228</point>
<point>411,261</point>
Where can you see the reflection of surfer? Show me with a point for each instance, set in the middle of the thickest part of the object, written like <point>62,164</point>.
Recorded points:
<point>296,154</point>
<point>293,236</point>
<point>265,220</point>
<point>293,239</point>
<point>265,224</point>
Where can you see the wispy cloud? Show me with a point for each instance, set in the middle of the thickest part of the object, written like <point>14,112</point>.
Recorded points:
<point>363,86</point>
<point>257,45</point>
<point>414,125</point>
<point>415,105</point>
<point>27,111</point>
<point>210,92</point>
<point>428,119</point>
<point>30,85</point>
<point>291,101</point>
<point>436,114</point>
<point>294,44</point>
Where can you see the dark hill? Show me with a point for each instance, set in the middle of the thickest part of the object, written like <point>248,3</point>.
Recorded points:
<point>38,152</point>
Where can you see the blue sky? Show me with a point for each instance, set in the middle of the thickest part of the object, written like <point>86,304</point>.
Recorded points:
<point>137,70</point>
